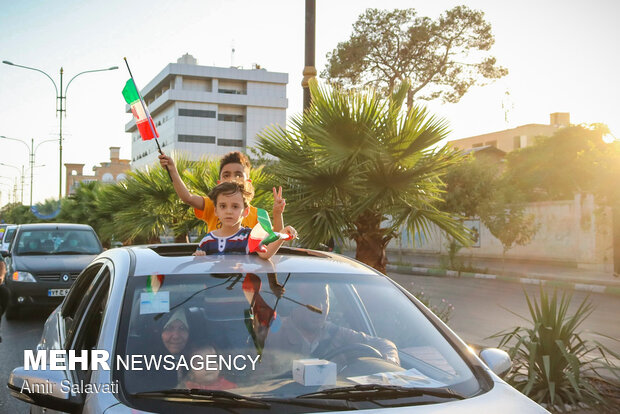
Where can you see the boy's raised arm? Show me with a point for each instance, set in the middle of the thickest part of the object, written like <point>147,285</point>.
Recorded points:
<point>182,191</point>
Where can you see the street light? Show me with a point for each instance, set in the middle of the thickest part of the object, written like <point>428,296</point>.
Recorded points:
<point>32,150</point>
<point>22,178</point>
<point>61,106</point>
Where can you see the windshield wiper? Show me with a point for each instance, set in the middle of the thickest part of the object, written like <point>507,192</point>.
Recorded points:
<point>377,391</point>
<point>71,252</point>
<point>214,396</point>
<point>33,253</point>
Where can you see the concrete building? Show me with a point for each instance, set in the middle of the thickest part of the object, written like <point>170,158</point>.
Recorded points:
<point>208,111</point>
<point>108,172</point>
<point>515,138</point>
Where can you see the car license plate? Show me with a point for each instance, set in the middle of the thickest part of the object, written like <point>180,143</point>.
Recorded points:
<point>57,292</point>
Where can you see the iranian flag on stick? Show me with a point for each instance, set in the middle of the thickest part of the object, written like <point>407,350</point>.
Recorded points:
<point>144,122</point>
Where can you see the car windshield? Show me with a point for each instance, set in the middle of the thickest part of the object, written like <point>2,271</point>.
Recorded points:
<point>60,242</point>
<point>279,336</point>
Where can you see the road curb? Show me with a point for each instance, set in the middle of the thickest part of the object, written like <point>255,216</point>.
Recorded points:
<point>582,285</point>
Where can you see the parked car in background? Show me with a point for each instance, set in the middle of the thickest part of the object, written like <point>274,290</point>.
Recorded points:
<point>44,261</point>
<point>376,347</point>
<point>9,234</point>
<point>3,227</point>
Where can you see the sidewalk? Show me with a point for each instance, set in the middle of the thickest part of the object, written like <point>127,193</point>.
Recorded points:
<point>511,271</point>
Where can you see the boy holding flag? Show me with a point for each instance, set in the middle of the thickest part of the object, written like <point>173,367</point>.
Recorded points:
<point>234,166</point>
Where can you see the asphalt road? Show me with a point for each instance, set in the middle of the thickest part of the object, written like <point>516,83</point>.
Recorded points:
<point>17,336</point>
<point>481,309</point>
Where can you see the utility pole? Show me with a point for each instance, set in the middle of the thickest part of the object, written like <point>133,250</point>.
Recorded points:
<point>22,193</point>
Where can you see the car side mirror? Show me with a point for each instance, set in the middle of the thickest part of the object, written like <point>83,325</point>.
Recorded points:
<point>4,253</point>
<point>45,388</point>
<point>497,360</point>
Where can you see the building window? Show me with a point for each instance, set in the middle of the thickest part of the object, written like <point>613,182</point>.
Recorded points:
<point>121,177</point>
<point>491,143</point>
<point>223,142</point>
<point>232,91</point>
<point>516,142</point>
<point>197,113</point>
<point>230,118</point>
<point>107,178</point>
<point>197,138</point>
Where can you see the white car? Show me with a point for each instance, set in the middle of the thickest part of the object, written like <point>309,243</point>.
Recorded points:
<point>7,232</point>
<point>306,331</point>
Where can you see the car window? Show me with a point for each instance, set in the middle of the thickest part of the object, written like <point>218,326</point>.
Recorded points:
<point>60,242</point>
<point>361,326</point>
<point>89,317</point>
<point>82,288</point>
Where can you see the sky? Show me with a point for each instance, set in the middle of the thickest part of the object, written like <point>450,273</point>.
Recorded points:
<point>562,56</point>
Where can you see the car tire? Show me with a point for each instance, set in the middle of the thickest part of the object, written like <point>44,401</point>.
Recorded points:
<point>12,313</point>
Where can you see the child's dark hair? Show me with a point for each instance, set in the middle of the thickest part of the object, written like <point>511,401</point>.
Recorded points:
<point>236,157</point>
<point>201,345</point>
<point>233,187</point>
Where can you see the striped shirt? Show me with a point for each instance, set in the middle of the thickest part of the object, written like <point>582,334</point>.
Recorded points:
<point>237,243</point>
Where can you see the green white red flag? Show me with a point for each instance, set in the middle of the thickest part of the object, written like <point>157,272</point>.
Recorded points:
<point>262,233</point>
<point>144,122</point>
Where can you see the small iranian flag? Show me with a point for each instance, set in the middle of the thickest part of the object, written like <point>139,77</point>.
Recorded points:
<point>144,122</point>
<point>262,233</point>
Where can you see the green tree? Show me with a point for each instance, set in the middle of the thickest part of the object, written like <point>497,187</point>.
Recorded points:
<point>572,160</point>
<point>470,185</point>
<point>83,207</point>
<point>475,187</point>
<point>437,58</point>
<point>355,166</point>
<point>17,213</point>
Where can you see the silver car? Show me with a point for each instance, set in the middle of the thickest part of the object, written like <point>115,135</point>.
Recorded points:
<point>154,329</point>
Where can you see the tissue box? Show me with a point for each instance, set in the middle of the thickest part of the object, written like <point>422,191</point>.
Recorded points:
<point>314,372</point>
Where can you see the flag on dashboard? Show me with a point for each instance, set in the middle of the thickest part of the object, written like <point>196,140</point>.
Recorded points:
<point>144,122</point>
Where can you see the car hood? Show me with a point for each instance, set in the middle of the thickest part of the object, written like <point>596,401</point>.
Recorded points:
<point>52,263</point>
<point>502,398</point>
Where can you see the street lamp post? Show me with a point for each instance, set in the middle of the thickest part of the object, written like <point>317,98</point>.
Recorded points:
<point>309,69</point>
<point>61,106</point>
<point>31,153</point>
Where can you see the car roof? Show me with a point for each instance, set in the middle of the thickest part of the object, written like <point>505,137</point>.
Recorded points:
<point>54,226</point>
<point>177,259</point>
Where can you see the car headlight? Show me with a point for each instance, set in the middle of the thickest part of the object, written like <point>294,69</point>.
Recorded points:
<point>23,277</point>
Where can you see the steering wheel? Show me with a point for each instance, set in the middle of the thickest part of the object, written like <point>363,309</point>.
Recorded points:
<point>353,351</point>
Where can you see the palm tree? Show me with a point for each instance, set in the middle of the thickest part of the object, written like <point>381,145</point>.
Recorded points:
<point>143,206</point>
<point>356,166</point>
<point>83,207</point>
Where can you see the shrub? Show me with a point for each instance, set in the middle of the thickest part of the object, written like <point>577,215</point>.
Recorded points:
<point>443,311</point>
<point>552,363</point>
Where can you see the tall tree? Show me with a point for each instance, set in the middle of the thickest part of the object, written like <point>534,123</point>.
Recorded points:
<point>439,58</point>
<point>355,166</point>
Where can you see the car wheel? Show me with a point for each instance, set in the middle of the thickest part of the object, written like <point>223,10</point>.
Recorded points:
<point>12,313</point>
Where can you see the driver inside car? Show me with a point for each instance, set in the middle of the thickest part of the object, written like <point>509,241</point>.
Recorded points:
<point>307,333</point>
